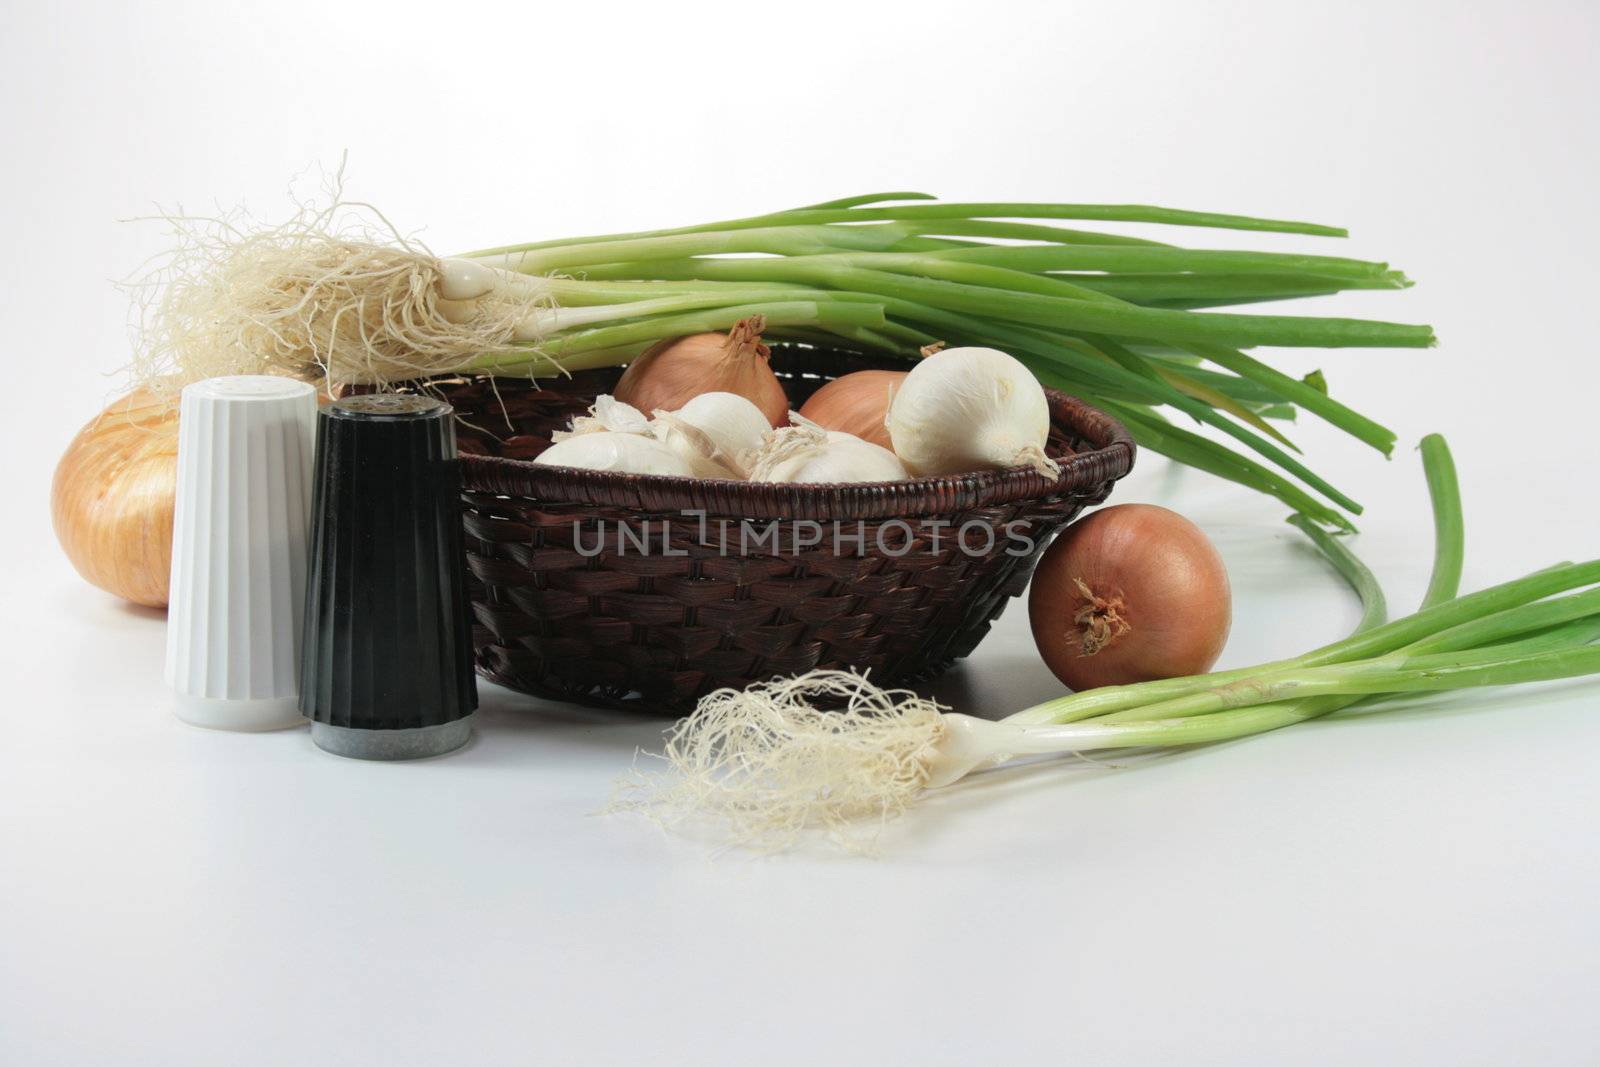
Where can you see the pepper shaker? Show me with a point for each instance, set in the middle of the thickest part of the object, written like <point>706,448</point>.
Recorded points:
<point>387,671</point>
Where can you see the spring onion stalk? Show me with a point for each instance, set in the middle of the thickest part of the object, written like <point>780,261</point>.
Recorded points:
<point>566,352</point>
<point>1508,609</point>
<point>1443,489</point>
<point>1374,605</point>
<point>1247,718</point>
<point>856,209</point>
<point>1203,453</point>
<point>770,764</point>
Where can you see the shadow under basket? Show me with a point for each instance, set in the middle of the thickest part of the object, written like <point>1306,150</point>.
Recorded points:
<point>647,592</point>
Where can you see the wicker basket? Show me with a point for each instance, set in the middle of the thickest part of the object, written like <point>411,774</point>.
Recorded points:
<point>714,602</point>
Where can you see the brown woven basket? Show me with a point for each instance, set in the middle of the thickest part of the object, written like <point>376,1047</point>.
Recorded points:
<point>714,602</point>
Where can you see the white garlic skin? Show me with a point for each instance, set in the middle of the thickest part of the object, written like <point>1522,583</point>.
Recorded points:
<point>832,457</point>
<point>607,450</point>
<point>695,447</point>
<point>968,409</point>
<point>848,458</point>
<point>606,414</point>
<point>734,424</point>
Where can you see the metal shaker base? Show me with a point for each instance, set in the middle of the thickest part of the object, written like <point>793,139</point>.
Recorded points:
<point>416,743</point>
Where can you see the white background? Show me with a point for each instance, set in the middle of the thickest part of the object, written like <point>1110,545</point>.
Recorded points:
<point>1418,887</point>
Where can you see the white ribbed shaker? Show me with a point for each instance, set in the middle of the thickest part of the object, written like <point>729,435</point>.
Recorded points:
<point>240,530</point>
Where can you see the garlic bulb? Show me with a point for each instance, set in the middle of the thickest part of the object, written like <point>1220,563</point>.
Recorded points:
<point>608,450</point>
<point>857,403</point>
<point>729,424</point>
<point>805,452</point>
<point>695,447</point>
<point>112,498</point>
<point>967,409</point>
<point>607,413</point>
<point>671,374</point>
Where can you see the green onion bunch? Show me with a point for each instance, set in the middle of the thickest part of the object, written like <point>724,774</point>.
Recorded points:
<point>1126,323</point>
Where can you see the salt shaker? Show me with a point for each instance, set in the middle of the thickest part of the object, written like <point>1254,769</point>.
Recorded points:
<point>239,536</point>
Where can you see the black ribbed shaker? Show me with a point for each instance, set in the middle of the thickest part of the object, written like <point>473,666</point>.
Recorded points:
<point>387,667</point>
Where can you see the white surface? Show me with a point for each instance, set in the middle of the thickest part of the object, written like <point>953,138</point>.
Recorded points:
<point>1414,888</point>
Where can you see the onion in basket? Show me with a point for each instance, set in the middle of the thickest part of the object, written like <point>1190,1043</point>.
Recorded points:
<point>608,450</point>
<point>805,452</point>
<point>733,426</point>
<point>606,413</point>
<point>671,374</point>
<point>968,409</point>
<point>710,433</point>
<point>857,403</point>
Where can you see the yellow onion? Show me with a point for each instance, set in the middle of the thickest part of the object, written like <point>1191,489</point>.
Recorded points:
<point>670,374</point>
<point>111,500</point>
<point>1130,594</point>
<point>856,404</point>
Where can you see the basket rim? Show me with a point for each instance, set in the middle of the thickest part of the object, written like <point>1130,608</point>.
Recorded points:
<point>1111,458</point>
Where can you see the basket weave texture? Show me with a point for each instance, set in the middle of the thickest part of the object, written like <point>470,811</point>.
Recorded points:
<point>567,604</point>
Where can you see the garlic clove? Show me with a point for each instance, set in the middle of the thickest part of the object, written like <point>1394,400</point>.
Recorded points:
<point>606,413</point>
<point>807,453</point>
<point>608,450</point>
<point>734,424</point>
<point>696,447</point>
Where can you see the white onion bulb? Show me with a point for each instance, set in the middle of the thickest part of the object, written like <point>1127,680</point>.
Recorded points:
<point>734,424</point>
<point>968,409</point>
<point>724,427</point>
<point>608,450</point>
<point>805,452</point>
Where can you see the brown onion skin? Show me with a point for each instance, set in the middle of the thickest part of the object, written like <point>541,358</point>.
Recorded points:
<point>670,374</point>
<point>112,497</point>
<point>1175,600</point>
<point>856,403</point>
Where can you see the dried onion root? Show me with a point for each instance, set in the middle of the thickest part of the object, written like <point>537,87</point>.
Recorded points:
<point>767,763</point>
<point>335,292</point>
